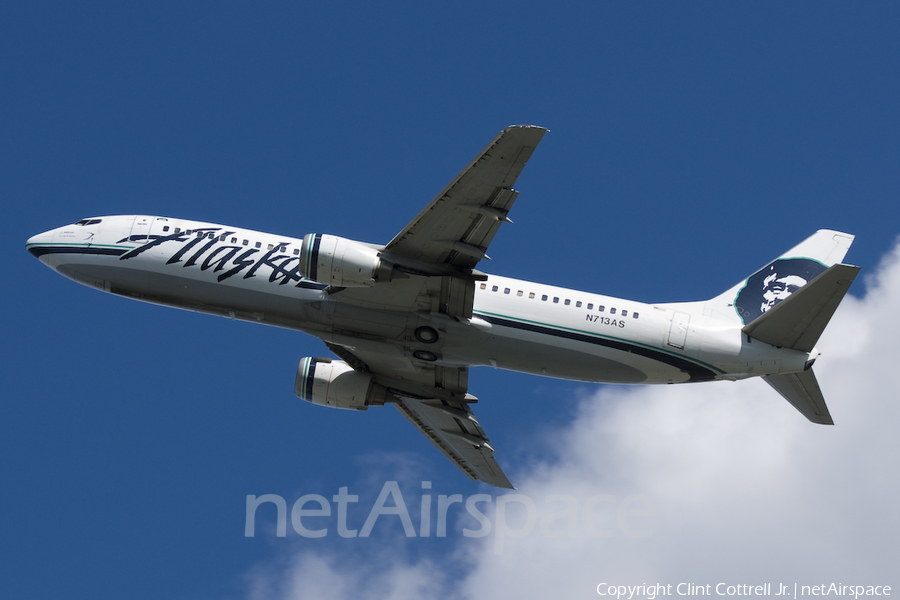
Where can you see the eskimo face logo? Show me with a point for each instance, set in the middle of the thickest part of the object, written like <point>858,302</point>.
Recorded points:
<point>772,284</point>
<point>776,289</point>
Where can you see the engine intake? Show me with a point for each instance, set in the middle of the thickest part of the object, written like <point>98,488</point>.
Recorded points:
<point>334,383</point>
<point>341,262</point>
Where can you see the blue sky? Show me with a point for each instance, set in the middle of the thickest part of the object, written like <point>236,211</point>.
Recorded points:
<point>689,145</point>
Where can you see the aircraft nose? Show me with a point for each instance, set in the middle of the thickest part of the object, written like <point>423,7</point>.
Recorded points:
<point>37,244</point>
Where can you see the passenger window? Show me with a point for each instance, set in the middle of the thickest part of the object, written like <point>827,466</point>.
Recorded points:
<point>634,315</point>
<point>531,295</point>
<point>568,302</point>
<point>624,313</point>
<point>590,306</point>
<point>297,251</point>
<point>246,242</point>
<point>483,285</point>
<point>601,308</point>
<point>519,293</point>
<point>612,311</point>
<point>506,291</point>
<point>259,244</point>
<point>165,228</point>
<point>177,230</point>
<point>270,247</point>
<point>555,299</point>
<point>234,240</point>
<point>578,304</point>
<point>494,288</point>
<point>544,297</point>
<point>222,238</point>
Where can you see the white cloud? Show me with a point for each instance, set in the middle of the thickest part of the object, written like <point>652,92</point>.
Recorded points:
<point>745,490</point>
<point>308,575</point>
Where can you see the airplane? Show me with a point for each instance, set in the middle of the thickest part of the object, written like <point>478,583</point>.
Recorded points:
<point>407,319</point>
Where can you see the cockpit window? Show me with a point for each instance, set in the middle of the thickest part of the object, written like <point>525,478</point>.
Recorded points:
<point>88,222</point>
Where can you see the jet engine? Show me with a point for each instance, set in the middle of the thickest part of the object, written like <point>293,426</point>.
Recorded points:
<point>334,383</point>
<point>341,262</point>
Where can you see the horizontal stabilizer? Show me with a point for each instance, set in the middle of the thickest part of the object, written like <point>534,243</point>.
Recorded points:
<point>802,391</point>
<point>798,320</point>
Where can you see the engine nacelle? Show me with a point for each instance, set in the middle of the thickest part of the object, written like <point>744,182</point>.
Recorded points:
<point>341,262</point>
<point>334,383</point>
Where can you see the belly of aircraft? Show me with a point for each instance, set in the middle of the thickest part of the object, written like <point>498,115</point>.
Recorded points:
<point>539,358</point>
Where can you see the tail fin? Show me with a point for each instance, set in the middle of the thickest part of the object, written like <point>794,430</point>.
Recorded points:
<point>762,291</point>
<point>797,322</point>
<point>787,304</point>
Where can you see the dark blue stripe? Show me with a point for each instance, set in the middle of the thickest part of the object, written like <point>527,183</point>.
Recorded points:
<point>39,251</point>
<point>695,372</point>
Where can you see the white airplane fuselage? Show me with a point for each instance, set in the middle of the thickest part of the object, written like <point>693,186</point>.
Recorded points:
<point>515,325</point>
<point>407,319</point>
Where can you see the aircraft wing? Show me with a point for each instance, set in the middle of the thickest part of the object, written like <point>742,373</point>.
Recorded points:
<point>453,232</point>
<point>451,426</point>
<point>437,251</point>
<point>434,399</point>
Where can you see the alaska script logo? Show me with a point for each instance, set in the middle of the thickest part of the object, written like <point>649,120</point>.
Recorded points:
<point>772,284</point>
<point>219,256</point>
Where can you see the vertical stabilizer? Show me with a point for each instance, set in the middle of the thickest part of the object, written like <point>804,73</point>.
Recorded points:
<point>775,282</point>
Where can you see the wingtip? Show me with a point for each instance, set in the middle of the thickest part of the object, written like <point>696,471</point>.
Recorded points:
<point>544,129</point>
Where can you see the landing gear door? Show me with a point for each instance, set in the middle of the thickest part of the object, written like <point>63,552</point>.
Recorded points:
<point>678,330</point>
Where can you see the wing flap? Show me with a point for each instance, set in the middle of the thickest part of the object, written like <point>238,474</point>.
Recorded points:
<point>798,320</point>
<point>451,426</point>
